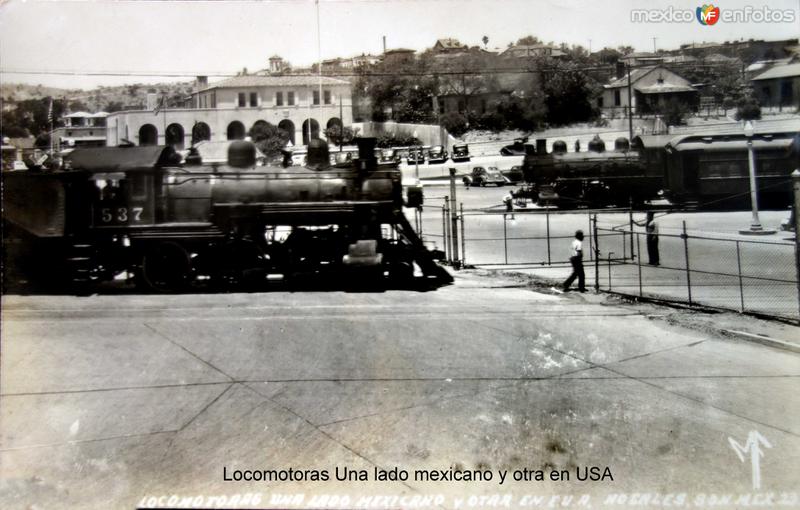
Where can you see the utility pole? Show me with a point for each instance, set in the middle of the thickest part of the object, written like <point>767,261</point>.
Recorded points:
<point>630,106</point>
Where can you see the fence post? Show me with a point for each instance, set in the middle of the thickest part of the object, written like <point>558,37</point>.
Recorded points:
<point>630,222</point>
<point>741,287</point>
<point>796,210</point>
<point>596,256</point>
<point>639,261</point>
<point>591,243</point>
<point>419,214</point>
<point>463,237</point>
<point>609,269</point>
<point>505,238</point>
<point>446,227</point>
<point>547,218</point>
<point>686,253</point>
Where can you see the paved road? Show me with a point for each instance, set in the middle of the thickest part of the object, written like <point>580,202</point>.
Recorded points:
<point>110,400</point>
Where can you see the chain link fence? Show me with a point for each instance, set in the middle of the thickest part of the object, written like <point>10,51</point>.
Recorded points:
<point>740,273</point>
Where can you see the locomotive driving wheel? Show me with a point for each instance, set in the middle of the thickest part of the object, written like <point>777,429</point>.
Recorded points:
<point>166,267</point>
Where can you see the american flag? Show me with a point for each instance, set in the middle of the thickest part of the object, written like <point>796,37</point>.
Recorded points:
<point>159,105</point>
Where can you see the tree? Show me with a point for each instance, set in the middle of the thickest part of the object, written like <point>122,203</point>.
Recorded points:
<point>528,40</point>
<point>608,56</point>
<point>268,138</point>
<point>455,123</point>
<point>748,109</point>
<point>337,134</point>
<point>570,97</point>
<point>485,40</point>
<point>673,112</point>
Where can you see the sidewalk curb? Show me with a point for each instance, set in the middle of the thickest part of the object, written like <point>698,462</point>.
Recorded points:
<point>761,339</point>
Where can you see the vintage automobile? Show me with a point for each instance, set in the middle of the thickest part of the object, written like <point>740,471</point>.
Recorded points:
<point>460,152</point>
<point>437,154</point>
<point>481,176</point>
<point>386,156</point>
<point>514,175</point>
<point>520,147</point>
<point>415,156</point>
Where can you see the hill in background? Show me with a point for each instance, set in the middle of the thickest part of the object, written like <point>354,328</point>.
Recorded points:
<point>107,99</point>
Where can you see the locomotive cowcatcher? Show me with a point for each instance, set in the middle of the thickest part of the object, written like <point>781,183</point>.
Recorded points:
<point>140,210</point>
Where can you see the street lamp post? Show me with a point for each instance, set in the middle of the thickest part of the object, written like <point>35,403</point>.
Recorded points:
<point>755,224</point>
<point>416,156</point>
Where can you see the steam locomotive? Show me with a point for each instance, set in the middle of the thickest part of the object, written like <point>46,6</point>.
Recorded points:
<point>169,223</point>
<point>708,170</point>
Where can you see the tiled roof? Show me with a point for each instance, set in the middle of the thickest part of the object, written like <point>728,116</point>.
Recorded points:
<point>274,81</point>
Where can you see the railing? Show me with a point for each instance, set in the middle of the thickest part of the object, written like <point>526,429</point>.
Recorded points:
<point>743,274</point>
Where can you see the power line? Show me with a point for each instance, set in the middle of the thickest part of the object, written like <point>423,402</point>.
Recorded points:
<point>535,68</point>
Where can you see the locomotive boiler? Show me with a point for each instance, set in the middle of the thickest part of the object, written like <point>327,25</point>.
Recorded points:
<point>142,211</point>
<point>708,170</point>
<point>593,178</point>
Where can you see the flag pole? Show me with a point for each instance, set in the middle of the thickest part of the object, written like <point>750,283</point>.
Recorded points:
<point>319,65</point>
<point>50,115</point>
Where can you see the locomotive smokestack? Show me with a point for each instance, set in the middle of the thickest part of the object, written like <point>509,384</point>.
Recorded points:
<point>366,152</point>
<point>541,146</point>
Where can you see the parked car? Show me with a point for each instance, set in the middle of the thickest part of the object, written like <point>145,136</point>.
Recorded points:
<point>342,159</point>
<point>415,156</point>
<point>520,147</point>
<point>514,175</point>
<point>387,156</point>
<point>481,176</point>
<point>437,154</point>
<point>460,152</point>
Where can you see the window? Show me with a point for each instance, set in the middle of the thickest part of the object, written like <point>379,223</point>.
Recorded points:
<point>253,98</point>
<point>617,100</point>
<point>213,100</point>
<point>316,97</point>
<point>242,99</point>
<point>278,98</point>
<point>290,97</point>
<point>327,96</point>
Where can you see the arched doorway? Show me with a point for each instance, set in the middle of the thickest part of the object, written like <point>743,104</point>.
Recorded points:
<point>333,130</point>
<point>148,135</point>
<point>310,130</point>
<point>236,130</point>
<point>175,136</point>
<point>200,132</point>
<point>258,126</point>
<point>287,126</point>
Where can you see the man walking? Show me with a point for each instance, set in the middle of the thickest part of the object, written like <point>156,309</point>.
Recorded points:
<point>651,229</point>
<point>576,259</point>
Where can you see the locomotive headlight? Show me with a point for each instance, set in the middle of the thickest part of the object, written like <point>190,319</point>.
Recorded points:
<point>126,241</point>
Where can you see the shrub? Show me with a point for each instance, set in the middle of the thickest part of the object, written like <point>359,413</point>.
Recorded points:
<point>455,123</point>
<point>748,109</point>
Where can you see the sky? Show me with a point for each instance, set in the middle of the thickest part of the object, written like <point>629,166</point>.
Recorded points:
<point>222,37</point>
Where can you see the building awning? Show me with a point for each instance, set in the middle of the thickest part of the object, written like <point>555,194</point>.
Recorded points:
<point>739,145</point>
<point>121,159</point>
<point>72,140</point>
<point>665,88</point>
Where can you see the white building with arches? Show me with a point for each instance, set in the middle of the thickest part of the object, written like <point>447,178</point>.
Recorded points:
<point>302,105</point>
